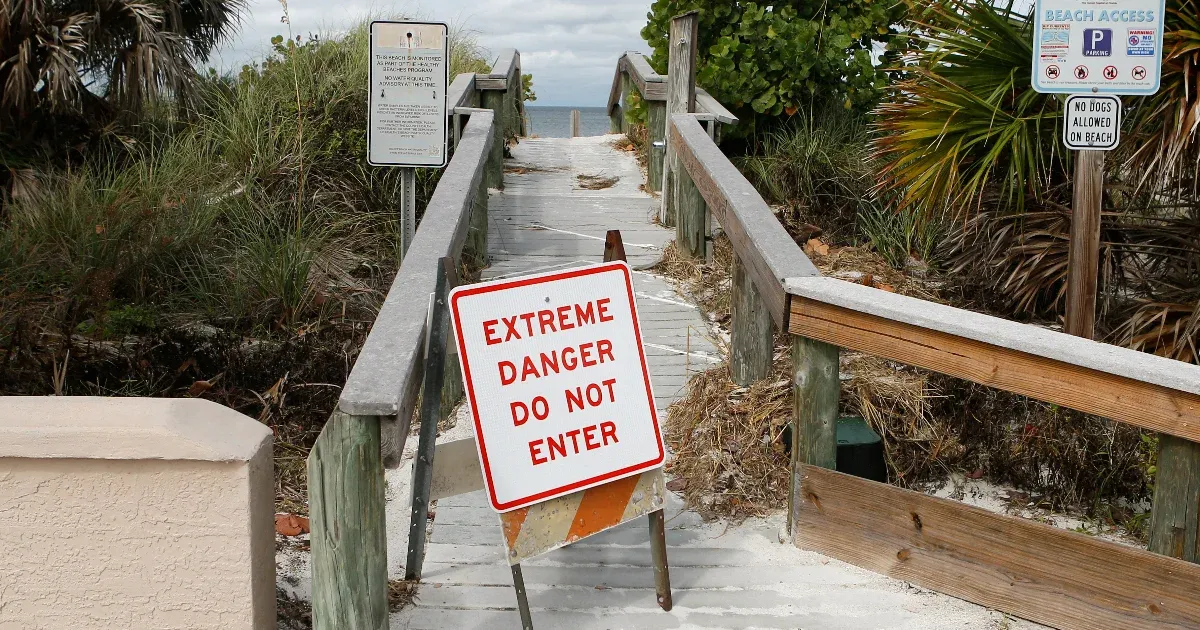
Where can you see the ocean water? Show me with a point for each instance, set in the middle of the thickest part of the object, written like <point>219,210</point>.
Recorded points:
<point>555,122</point>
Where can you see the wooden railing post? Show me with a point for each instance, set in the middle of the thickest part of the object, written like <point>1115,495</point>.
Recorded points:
<point>681,96</point>
<point>816,388</point>
<point>656,154</point>
<point>495,101</point>
<point>475,248</point>
<point>751,337</point>
<point>1176,511</point>
<point>349,540</point>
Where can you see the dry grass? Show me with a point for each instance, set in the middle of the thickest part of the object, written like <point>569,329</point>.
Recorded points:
<point>401,594</point>
<point>727,443</point>
<point>596,182</point>
<point>708,284</point>
<point>727,439</point>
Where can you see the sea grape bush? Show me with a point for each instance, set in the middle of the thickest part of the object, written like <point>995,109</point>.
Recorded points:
<point>777,57</point>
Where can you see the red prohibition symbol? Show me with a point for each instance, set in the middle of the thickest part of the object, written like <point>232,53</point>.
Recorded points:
<point>1139,73</point>
<point>1110,72</point>
<point>1052,72</point>
<point>1081,72</point>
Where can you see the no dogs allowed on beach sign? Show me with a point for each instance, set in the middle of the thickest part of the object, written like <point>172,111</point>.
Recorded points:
<point>557,382</point>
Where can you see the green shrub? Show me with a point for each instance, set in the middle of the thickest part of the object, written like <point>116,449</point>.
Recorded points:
<point>815,166</point>
<point>770,58</point>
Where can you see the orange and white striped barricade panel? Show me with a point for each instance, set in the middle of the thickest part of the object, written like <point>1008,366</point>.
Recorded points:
<point>546,526</point>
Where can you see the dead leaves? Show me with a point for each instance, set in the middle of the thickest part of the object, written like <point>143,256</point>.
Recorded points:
<point>291,525</point>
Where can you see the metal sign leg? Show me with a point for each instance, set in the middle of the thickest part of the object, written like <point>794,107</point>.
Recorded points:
<point>408,207</point>
<point>658,550</point>
<point>522,598</point>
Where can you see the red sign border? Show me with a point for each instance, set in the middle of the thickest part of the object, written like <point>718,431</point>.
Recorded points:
<point>479,441</point>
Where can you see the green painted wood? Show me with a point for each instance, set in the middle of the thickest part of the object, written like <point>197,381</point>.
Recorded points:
<point>691,215</point>
<point>349,540</point>
<point>751,337</point>
<point>816,389</point>
<point>1176,511</point>
<point>475,247</point>
<point>656,123</point>
<point>495,101</point>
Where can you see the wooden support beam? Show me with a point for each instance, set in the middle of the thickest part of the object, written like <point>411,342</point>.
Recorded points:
<point>681,96</point>
<point>1139,403</point>
<point>452,381</point>
<point>1083,264</point>
<point>1176,513</point>
<point>752,339</point>
<point>495,101</point>
<point>349,541</point>
<point>768,252</point>
<point>691,216</point>
<point>656,128</point>
<point>816,389</point>
<point>1021,567</point>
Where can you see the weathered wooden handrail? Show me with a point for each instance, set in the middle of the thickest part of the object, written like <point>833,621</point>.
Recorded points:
<point>634,73</point>
<point>1052,576</point>
<point>387,373</point>
<point>368,429</point>
<point>462,92</point>
<point>764,247</point>
<point>652,87</point>
<point>1136,388</point>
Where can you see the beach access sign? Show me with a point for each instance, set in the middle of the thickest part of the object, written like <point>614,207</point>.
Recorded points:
<point>409,73</point>
<point>557,382</point>
<point>1092,122</point>
<point>1098,46</point>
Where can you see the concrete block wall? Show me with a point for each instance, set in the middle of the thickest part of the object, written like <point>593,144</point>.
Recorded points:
<point>134,513</point>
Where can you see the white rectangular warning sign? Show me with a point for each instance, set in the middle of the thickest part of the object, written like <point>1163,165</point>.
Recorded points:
<point>1098,46</point>
<point>1092,122</point>
<point>409,73</point>
<point>557,382</point>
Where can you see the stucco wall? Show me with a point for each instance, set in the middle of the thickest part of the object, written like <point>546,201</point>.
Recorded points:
<point>136,541</point>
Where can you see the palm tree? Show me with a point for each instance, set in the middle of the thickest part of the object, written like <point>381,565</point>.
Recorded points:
<point>85,59</point>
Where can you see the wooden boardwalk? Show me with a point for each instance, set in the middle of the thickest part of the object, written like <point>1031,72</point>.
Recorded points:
<point>723,576</point>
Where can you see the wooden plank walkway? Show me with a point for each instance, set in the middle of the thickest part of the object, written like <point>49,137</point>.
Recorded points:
<point>724,576</point>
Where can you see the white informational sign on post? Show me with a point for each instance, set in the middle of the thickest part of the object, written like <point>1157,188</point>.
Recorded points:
<point>557,381</point>
<point>1092,122</point>
<point>409,74</point>
<point>1098,46</point>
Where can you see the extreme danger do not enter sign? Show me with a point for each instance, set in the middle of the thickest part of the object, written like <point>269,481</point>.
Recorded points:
<point>557,382</point>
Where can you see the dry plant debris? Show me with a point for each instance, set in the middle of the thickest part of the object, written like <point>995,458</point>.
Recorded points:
<point>401,594</point>
<point>525,169</point>
<point>727,443</point>
<point>596,182</point>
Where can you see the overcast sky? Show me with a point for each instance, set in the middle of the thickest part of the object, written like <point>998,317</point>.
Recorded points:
<point>571,47</point>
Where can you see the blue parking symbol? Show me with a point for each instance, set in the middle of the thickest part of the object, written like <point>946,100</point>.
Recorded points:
<point>1097,42</point>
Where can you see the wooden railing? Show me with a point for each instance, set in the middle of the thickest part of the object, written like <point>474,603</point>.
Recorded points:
<point>1049,575</point>
<point>634,73</point>
<point>368,429</point>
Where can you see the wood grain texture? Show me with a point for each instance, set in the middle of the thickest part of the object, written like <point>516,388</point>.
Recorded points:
<point>691,216</point>
<point>656,124</point>
<point>1083,258</point>
<point>1176,514</point>
<point>1024,568</point>
<point>768,252</point>
<point>816,388</point>
<point>462,92</point>
<point>349,546</point>
<point>1138,403</point>
<point>751,339</point>
<point>495,101</point>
